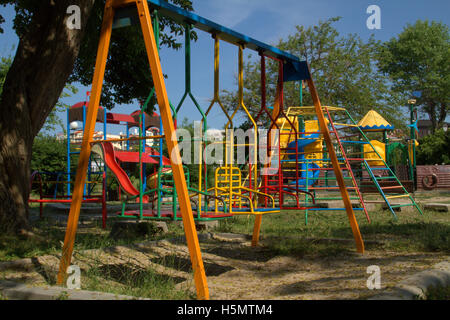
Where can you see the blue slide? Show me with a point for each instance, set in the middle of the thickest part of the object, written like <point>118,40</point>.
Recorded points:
<point>313,175</point>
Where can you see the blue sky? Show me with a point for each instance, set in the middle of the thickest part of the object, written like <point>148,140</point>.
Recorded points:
<point>266,21</point>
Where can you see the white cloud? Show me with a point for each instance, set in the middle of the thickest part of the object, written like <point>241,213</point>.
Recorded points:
<point>226,12</point>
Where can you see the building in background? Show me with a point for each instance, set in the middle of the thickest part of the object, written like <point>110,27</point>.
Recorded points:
<point>425,127</point>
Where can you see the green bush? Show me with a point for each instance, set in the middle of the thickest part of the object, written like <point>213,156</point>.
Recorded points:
<point>49,154</point>
<point>433,149</point>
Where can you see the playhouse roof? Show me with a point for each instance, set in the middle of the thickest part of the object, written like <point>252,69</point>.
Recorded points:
<point>373,121</point>
<point>76,112</point>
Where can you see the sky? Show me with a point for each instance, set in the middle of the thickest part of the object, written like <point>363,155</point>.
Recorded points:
<point>267,21</point>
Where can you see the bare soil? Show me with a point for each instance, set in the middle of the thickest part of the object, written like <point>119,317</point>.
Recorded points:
<point>235,270</point>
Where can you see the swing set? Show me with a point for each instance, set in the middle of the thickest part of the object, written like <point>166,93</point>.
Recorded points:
<point>237,190</point>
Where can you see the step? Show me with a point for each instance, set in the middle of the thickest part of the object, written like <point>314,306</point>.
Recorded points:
<point>384,178</point>
<point>402,205</point>
<point>391,187</point>
<point>394,207</point>
<point>397,196</point>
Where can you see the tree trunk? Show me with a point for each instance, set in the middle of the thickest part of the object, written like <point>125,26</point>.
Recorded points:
<point>430,108</point>
<point>43,62</point>
<point>442,114</point>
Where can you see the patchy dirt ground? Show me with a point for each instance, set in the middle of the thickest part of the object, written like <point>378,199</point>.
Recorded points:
<point>235,270</point>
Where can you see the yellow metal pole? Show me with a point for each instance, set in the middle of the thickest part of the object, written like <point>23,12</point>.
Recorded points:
<point>216,99</point>
<point>242,105</point>
<point>172,144</point>
<point>337,171</point>
<point>256,230</point>
<point>74,213</point>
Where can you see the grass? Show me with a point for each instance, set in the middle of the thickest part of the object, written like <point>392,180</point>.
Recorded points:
<point>126,279</point>
<point>287,234</point>
<point>438,292</point>
<point>50,236</point>
<point>283,234</point>
<point>49,241</point>
<point>62,296</point>
<point>118,279</point>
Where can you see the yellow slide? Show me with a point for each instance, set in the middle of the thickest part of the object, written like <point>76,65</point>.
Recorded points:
<point>152,180</point>
<point>370,155</point>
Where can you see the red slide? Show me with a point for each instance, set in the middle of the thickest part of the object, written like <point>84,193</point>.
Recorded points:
<point>106,152</point>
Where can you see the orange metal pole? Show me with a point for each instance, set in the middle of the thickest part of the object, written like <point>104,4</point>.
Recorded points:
<point>163,102</point>
<point>337,171</point>
<point>74,213</point>
<point>172,144</point>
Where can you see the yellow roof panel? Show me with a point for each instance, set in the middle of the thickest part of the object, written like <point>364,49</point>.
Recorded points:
<point>374,121</point>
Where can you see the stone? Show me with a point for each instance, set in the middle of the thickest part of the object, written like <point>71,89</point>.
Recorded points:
<point>19,291</point>
<point>416,285</point>
<point>206,225</point>
<point>441,207</point>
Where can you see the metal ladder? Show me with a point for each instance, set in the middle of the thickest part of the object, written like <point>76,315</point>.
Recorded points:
<point>346,161</point>
<point>403,193</point>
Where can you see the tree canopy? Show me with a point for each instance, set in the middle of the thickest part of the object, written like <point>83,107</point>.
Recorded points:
<point>344,71</point>
<point>127,75</point>
<point>433,148</point>
<point>418,60</point>
<point>48,56</point>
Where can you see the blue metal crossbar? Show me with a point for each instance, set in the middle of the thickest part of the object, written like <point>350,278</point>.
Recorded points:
<point>293,68</point>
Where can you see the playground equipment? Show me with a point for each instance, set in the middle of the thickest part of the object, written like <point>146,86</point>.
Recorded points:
<point>363,160</point>
<point>412,142</point>
<point>397,154</point>
<point>308,176</point>
<point>77,113</point>
<point>239,196</point>
<point>374,122</point>
<point>53,180</point>
<point>143,121</point>
<point>307,166</point>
